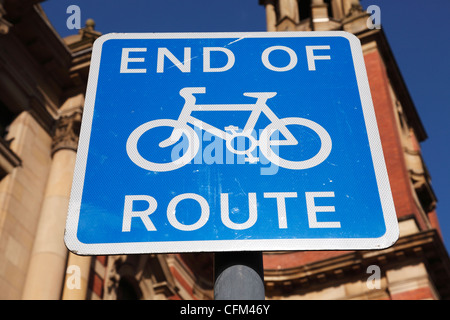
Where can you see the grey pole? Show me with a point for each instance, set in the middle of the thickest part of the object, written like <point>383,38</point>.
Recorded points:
<point>238,276</point>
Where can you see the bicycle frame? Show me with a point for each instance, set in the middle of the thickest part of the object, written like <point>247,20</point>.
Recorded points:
<point>180,127</point>
<point>256,109</point>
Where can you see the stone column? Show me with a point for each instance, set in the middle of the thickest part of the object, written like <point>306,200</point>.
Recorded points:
<point>319,15</point>
<point>77,277</point>
<point>337,9</point>
<point>48,259</point>
<point>289,8</point>
<point>271,15</point>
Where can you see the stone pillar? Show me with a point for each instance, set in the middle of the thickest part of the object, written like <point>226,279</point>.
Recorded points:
<point>338,11</point>
<point>77,277</point>
<point>289,9</point>
<point>271,15</point>
<point>319,15</point>
<point>48,259</point>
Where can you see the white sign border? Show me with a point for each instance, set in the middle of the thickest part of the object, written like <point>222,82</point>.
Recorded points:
<point>388,239</point>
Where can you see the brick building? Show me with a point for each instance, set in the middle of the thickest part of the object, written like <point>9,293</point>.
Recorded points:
<point>413,267</point>
<point>42,85</point>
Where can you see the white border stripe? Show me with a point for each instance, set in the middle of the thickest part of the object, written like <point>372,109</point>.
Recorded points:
<point>387,203</point>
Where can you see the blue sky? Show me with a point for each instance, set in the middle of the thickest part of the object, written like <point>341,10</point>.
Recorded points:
<point>417,31</point>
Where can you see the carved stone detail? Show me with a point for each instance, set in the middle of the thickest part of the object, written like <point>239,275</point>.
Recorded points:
<point>66,132</point>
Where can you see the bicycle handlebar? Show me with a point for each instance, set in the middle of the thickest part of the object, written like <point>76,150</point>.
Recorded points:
<point>188,94</point>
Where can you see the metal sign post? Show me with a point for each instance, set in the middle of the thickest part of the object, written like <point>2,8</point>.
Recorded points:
<point>238,276</point>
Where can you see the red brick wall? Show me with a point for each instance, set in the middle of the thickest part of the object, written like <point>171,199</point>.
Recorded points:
<point>96,281</point>
<point>432,216</point>
<point>390,138</point>
<point>415,294</point>
<point>297,258</point>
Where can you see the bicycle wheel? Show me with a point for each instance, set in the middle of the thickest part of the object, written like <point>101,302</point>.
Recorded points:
<point>265,144</point>
<point>135,156</point>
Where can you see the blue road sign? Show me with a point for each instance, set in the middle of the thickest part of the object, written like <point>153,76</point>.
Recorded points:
<point>229,142</point>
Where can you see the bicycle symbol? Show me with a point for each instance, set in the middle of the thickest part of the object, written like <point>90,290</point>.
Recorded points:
<point>180,127</point>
